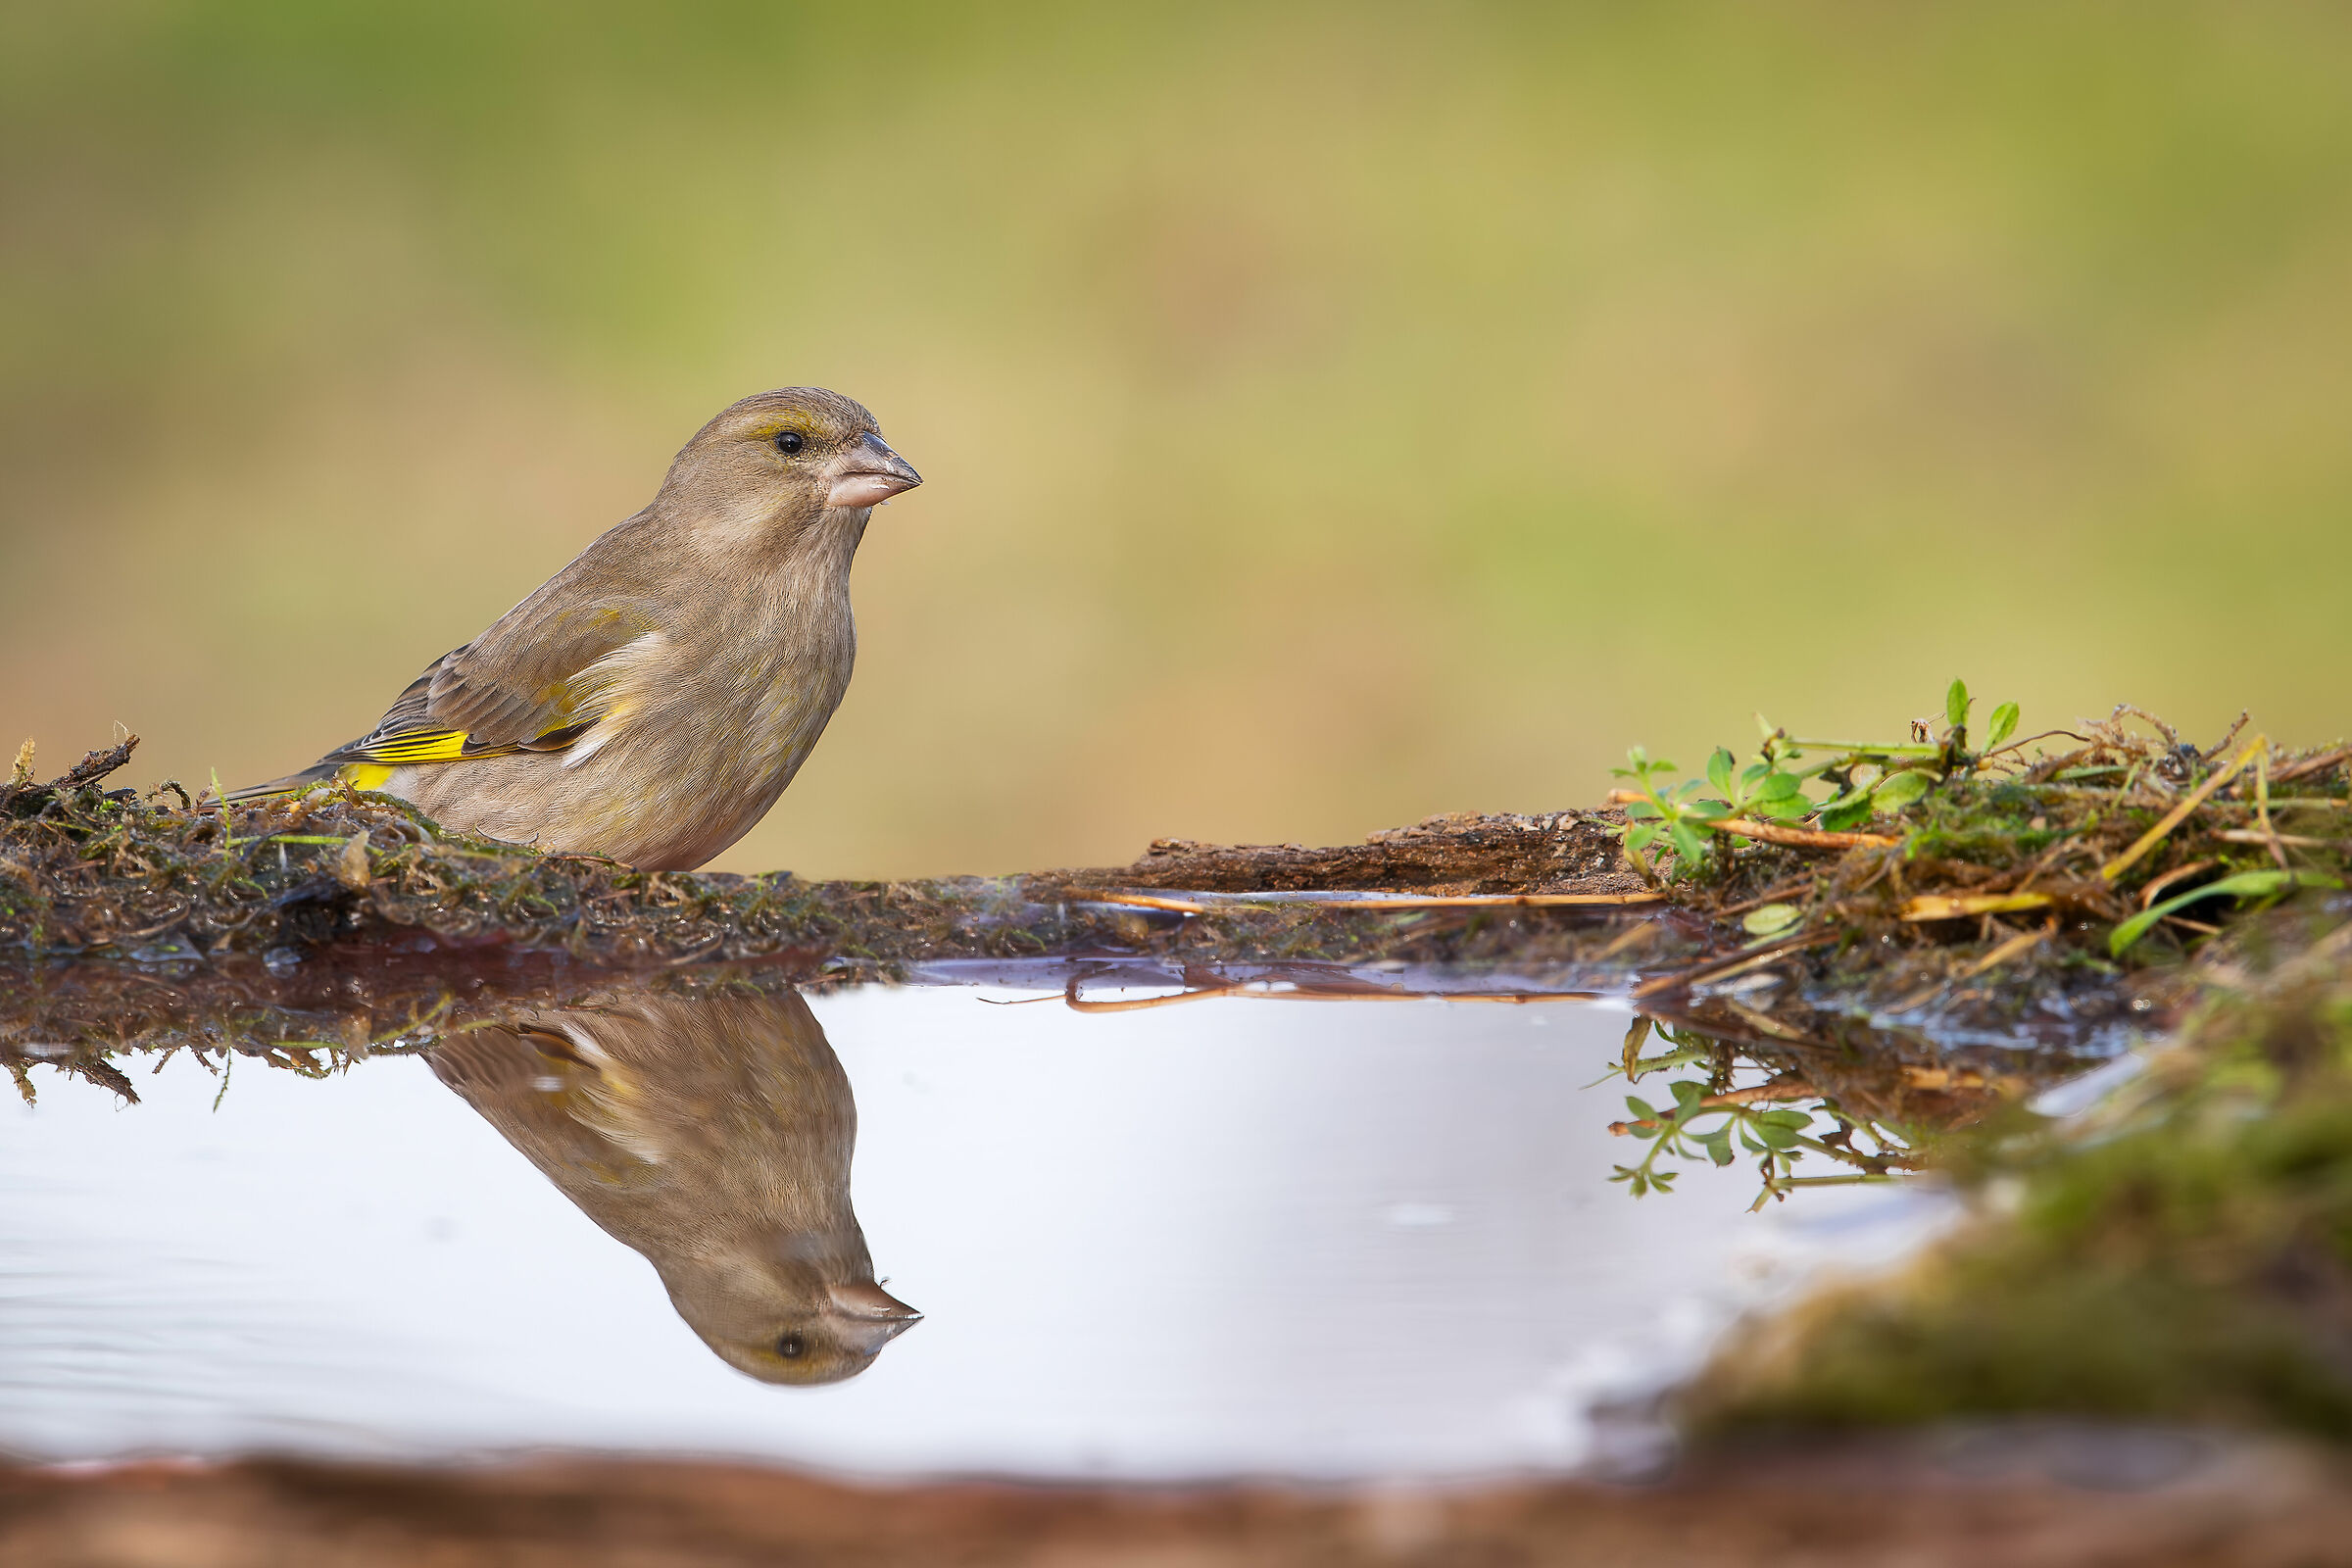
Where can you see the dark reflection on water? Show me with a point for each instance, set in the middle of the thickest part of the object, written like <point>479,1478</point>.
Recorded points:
<point>714,1137</point>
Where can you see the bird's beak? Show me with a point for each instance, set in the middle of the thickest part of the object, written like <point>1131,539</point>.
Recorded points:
<point>869,474</point>
<point>867,1314</point>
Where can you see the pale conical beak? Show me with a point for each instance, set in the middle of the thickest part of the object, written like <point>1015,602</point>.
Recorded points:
<point>869,474</point>
<point>869,1316</point>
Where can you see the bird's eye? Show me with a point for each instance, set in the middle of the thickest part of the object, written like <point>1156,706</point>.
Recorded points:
<point>792,1346</point>
<point>789,442</point>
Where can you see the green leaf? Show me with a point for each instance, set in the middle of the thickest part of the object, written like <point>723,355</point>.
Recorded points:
<point>1851,809</point>
<point>1638,838</point>
<point>1642,1109</point>
<point>1787,808</point>
<point>1707,810</point>
<point>1686,1094</point>
<point>1720,1151</point>
<point>1640,810</point>
<point>1956,705</point>
<point>1786,1118</point>
<point>2004,726</point>
<point>1778,785</point>
<point>1688,843</point>
<point>1747,1141</point>
<point>2244,885</point>
<point>1775,1135</point>
<point>1898,789</point>
<point>1772,919</point>
<point>1719,771</point>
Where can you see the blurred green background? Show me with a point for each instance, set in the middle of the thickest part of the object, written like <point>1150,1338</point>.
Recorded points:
<point>1332,415</point>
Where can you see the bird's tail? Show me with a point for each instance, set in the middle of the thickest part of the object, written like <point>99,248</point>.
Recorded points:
<point>315,773</point>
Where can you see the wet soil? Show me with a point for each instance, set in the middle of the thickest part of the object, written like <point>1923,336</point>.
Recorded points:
<point>1994,1497</point>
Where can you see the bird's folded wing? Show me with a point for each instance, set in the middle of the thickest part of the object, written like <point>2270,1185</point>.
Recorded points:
<point>529,1083</point>
<point>538,680</point>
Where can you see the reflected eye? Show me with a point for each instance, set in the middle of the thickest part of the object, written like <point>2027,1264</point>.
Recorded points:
<point>789,442</point>
<point>791,1347</point>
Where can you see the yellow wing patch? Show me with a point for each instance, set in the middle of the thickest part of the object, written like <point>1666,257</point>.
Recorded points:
<point>364,775</point>
<point>423,745</point>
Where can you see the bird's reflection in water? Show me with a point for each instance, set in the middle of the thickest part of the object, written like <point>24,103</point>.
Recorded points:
<point>714,1136</point>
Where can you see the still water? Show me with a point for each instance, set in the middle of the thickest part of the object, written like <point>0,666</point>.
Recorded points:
<point>1251,1235</point>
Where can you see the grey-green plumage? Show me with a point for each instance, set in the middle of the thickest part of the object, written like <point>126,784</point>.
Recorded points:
<point>654,697</point>
<point>712,1135</point>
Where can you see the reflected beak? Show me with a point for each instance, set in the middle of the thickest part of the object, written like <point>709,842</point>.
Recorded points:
<point>866,475</point>
<point>868,1316</point>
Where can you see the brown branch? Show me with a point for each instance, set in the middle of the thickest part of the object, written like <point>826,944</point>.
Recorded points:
<point>2312,764</point>
<point>17,795</point>
<point>1800,838</point>
<point>1403,901</point>
<point>1779,1089</point>
<point>1721,968</point>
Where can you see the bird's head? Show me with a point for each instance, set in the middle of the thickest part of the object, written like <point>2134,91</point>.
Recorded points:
<point>789,459</point>
<point>786,1324</point>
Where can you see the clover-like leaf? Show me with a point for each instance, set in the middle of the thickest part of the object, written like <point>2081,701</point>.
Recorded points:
<point>1851,809</point>
<point>1898,789</point>
<point>1772,919</point>
<point>2004,726</point>
<point>1638,837</point>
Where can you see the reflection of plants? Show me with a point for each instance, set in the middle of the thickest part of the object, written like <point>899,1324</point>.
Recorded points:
<point>2179,1252</point>
<point>1707,1115</point>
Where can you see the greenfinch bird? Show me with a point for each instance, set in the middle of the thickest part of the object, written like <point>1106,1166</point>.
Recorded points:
<point>714,1136</point>
<point>654,697</point>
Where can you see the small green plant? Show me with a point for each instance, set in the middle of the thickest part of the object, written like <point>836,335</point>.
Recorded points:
<point>1866,778</point>
<point>1763,791</point>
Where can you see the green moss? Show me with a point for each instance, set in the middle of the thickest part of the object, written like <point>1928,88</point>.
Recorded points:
<point>2187,1257</point>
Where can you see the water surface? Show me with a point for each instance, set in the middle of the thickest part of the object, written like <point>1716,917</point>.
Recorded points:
<point>1243,1236</point>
